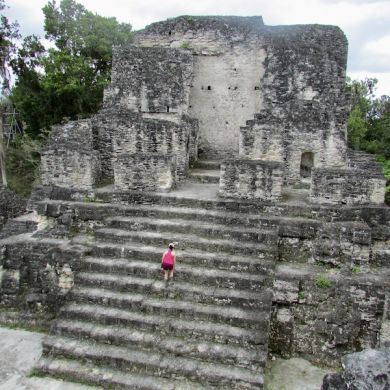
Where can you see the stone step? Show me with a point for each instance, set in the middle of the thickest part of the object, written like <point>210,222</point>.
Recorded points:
<point>263,263</point>
<point>25,223</point>
<point>204,277</point>
<point>206,351</point>
<point>208,164</point>
<point>164,325</point>
<point>108,202</point>
<point>153,363</point>
<point>186,272</point>
<point>186,241</point>
<point>107,377</point>
<point>205,175</point>
<point>177,290</point>
<point>191,210</point>
<point>381,258</point>
<point>195,227</point>
<point>203,202</point>
<point>170,306</point>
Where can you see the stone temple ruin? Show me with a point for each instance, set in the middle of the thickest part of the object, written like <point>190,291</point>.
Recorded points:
<point>229,137</point>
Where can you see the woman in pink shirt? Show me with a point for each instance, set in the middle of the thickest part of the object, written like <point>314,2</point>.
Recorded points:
<point>168,262</point>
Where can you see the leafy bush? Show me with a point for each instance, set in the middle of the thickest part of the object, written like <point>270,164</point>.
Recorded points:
<point>323,282</point>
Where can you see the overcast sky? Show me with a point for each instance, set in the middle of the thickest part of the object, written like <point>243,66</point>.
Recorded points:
<point>366,23</point>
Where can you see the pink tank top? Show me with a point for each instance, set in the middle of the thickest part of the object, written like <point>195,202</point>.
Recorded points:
<point>168,258</point>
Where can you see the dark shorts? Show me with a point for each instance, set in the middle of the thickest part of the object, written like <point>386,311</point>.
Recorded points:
<point>167,267</point>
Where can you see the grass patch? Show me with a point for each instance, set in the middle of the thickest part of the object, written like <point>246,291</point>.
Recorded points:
<point>355,269</point>
<point>88,199</point>
<point>323,282</point>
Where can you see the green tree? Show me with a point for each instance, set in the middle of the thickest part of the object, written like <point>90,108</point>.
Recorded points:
<point>29,94</point>
<point>369,123</point>
<point>66,81</point>
<point>9,33</point>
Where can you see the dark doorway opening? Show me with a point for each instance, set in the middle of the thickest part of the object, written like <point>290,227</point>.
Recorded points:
<point>307,162</point>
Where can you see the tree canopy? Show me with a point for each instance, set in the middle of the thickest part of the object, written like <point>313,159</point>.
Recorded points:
<point>66,81</point>
<point>369,123</point>
<point>9,33</point>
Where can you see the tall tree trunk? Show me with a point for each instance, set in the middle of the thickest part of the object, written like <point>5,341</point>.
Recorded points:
<point>3,175</point>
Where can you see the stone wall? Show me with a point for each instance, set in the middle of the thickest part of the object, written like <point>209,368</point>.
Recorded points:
<point>336,244</point>
<point>225,93</point>
<point>145,111</point>
<point>11,205</point>
<point>150,80</point>
<point>347,186</point>
<point>145,171</point>
<point>304,91</point>
<point>228,67</point>
<point>36,275</point>
<point>69,159</point>
<point>322,316</point>
<point>262,141</point>
<point>145,135</point>
<point>249,179</point>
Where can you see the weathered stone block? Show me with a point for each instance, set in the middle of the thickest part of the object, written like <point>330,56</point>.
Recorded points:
<point>347,186</point>
<point>282,328</point>
<point>251,179</point>
<point>69,158</point>
<point>141,171</point>
<point>150,80</point>
<point>369,369</point>
<point>343,243</point>
<point>11,205</point>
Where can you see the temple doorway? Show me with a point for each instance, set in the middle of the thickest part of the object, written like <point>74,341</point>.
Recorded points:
<point>307,162</point>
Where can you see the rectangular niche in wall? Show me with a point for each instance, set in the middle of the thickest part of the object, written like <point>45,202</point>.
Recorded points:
<point>307,162</point>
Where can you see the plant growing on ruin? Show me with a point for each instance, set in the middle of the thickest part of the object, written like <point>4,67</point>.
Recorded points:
<point>88,199</point>
<point>323,282</point>
<point>185,45</point>
<point>355,269</point>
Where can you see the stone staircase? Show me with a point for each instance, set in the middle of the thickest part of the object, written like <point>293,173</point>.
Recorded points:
<point>206,171</point>
<point>123,327</point>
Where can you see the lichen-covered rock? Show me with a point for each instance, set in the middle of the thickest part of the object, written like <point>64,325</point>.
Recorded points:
<point>366,370</point>
<point>11,205</point>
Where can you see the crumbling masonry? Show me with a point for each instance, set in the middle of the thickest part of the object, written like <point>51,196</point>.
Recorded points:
<point>228,136</point>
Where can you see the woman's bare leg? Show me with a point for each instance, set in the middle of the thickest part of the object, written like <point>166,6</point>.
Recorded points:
<point>171,274</point>
<point>166,275</point>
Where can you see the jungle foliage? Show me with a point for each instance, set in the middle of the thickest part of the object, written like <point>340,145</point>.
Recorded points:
<point>66,80</point>
<point>369,123</point>
<point>62,82</point>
